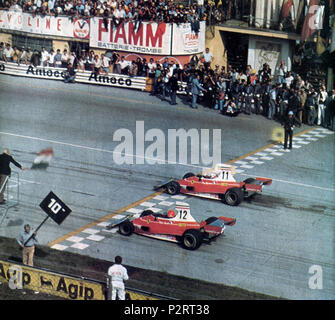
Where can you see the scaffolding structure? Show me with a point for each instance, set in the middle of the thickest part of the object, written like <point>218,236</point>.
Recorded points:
<point>12,194</point>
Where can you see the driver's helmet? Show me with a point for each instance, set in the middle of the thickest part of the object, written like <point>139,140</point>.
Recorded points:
<point>171,213</point>
<point>213,175</point>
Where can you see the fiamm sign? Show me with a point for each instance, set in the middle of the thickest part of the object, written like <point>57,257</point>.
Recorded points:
<point>146,38</point>
<point>23,277</point>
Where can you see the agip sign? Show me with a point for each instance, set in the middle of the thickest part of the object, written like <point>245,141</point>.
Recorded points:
<point>24,277</point>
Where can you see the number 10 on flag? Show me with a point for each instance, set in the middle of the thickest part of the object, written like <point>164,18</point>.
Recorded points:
<point>55,208</point>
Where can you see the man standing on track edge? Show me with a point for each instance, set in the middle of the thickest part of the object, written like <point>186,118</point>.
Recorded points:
<point>118,274</point>
<point>5,171</point>
<point>288,125</point>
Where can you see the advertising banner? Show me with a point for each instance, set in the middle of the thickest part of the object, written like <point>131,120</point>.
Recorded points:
<point>186,40</point>
<point>81,28</point>
<point>47,25</point>
<point>24,277</point>
<point>111,80</point>
<point>146,38</point>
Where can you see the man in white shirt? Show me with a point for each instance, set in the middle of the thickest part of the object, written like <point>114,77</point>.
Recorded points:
<point>51,58</point>
<point>208,57</point>
<point>65,59</point>
<point>8,52</point>
<point>73,59</point>
<point>44,57</point>
<point>118,274</point>
<point>322,97</point>
<point>152,68</point>
<point>105,63</point>
<point>124,64</point>
<point>289,79</point>
<point>282,70</point>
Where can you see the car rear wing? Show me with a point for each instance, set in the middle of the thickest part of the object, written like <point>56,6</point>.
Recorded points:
<point>163,184</point>
<point>219,221</point>
<point>228,221</point>
<point>264,181</point>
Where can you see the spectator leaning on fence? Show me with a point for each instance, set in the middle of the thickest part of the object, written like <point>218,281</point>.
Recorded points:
<point>58,59</point>
<point>44,57</point>
<point>51,58</point>
<point>7,53</point>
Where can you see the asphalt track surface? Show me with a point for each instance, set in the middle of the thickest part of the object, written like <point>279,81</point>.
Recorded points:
<point>279,235</point>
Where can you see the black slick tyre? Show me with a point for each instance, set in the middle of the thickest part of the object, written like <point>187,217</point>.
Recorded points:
<point>192,239</point>
<point>233,197</point>
<point>126,228</point>
<point>173,188</point>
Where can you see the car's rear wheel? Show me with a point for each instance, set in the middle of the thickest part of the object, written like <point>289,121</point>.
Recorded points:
<point>173,188</point>
<point>188,175</point>
<point>192,239</point>
<point>126,228</point>
<point>233,197</point>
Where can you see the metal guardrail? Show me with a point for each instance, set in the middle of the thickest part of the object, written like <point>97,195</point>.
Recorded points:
<point>12,196</point>
<point>85,77</point>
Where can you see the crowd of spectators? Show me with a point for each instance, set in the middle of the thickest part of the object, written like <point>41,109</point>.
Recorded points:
<point>118,10</point>
<point>272,93</point>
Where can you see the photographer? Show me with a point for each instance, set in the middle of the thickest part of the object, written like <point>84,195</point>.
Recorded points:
<point>69,74</point>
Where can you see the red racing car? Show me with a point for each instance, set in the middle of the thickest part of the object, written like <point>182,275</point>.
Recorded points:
<point>177,225</point>
<point>217,183</point>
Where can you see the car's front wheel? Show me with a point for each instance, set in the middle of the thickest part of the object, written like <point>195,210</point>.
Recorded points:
<point>173,188</point>
<point>126,228</point>
<point>192,239</point>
